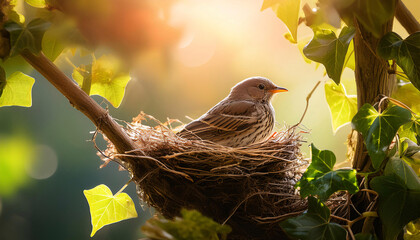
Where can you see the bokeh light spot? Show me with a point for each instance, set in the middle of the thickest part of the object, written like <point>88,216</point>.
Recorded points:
<point>197,53</point>
<point>44,164</point>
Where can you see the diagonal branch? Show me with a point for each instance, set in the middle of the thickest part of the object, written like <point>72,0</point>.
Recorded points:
<point>81,101</point>
<point>406,18</point>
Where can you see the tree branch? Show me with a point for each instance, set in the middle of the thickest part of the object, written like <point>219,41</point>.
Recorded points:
<point>81,101</point>
<point>406,18</point>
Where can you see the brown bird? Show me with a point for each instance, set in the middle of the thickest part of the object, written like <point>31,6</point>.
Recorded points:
<point>244,117</point>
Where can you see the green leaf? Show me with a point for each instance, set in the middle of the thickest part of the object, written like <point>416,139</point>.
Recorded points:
<point>342,107</point>
<point>287,11</point>
<point>399,197</point>
<point>372,14</point>
<point>104,77</point>
<point>52,47</point>
<point>320,178</point>
<point>410,153</point>
<point>378,129</point>
<point>410,130</point>
<point>329,50</point>
<point>405,52</point>
<point>314,224</point>
<point>28,37</point>
<point>106,208</point>
<point>37,3</point>
<point>17,91</point>
<point>410,96</point>
<point>192,225</point>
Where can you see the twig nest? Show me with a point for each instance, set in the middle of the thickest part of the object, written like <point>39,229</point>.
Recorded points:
<point>250,188</point>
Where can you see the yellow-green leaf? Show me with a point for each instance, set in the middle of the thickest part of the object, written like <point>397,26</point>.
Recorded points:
<point>350,61</point>
<point>105,77</point>
<point>287,11</point>
<point>106,208</point>
<point>342,107</point>
<point>409,95</point>
<point>17,90</point>
<point>36,3</point>
<point>52,46</point>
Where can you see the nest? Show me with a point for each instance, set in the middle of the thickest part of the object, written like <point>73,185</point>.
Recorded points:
<point>249,188</point>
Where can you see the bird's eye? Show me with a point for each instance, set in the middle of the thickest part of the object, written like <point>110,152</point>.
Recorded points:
<point>261,86</point>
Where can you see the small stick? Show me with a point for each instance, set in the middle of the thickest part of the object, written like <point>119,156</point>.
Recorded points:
<point>307,104</point>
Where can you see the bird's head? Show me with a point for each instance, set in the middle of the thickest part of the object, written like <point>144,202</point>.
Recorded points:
<point>255,89</point>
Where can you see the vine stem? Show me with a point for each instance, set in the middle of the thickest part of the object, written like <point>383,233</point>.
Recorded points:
<point>307,104</point>
<point>81,101</point>
<point>406,18</point>
<point>125,185</point>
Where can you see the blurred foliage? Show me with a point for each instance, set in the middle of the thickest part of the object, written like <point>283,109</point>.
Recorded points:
<point>26,37</point>
<point>192,225</point>
<point>106,208</point>
<point>288,12</point>
<point>16,153</point>
<point>105,77</point>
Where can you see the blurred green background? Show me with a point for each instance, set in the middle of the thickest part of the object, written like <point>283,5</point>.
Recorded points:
<point>47,159</point>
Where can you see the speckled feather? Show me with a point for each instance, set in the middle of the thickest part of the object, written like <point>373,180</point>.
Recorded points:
<point>239,119</point>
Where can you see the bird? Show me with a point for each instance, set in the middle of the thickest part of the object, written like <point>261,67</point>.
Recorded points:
<point>244,117</point>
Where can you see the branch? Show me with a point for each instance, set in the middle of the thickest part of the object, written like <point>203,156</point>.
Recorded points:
<point>406,18</point>
<point>81,101</point>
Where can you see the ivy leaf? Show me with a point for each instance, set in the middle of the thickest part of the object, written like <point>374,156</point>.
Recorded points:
<point>191,225</point>
<point>329,50</point>
<point>287,11</point>
<point>342,107</point>
<point>410,152</point>
<point>405,52</point>
<point>410,130</point>
<point>37,3</point>
<point>378,129</point>
<point>372,14</point>
<point>409,95</point>
<point>106,208</point>
<point>350,61</point>
<point>52,47</point>
<point>314,224</point>
<point>17,90</point>
<point>104,77</point>
<point>320,178</point>
<point>28,37</point>
<point>399,195</point>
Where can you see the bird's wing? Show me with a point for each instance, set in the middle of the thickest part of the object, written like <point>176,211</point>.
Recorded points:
<point>222,119</point>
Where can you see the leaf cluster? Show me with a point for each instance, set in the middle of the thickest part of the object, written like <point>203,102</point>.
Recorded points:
<point>46,35</point>
<point>192,225</point>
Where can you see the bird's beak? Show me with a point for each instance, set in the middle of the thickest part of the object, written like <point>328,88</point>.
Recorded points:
<point>277,90</point>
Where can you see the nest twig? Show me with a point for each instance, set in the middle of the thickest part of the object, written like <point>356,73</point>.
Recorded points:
<point>244,186</point>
